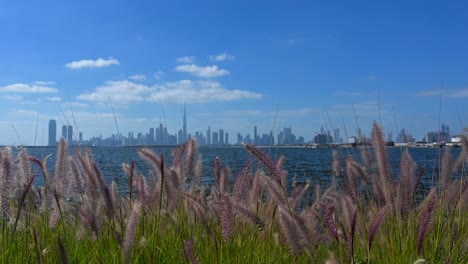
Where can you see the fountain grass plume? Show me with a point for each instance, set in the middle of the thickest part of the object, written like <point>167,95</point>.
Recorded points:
<point>376,223</point>
<point>266,160</point>
<point>425,218</point>
<point>289,231</point>
<point>446,170</point>
<point>5,182</point>
<point>226,217</point>
<point>330,223</point>
<point>61,167</point>
<point>130,232</point>
<point>243,181</point>
<point>336,165</point>
<point>351,181</point>
<point>189,253</point>
<point>382,161</point>
<point>407,171</point>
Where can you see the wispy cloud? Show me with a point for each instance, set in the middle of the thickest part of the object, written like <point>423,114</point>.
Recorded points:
<point>138,77</point>
<point>205,72</point>
<point>27,88</point>
<point>448,93</point>
<point>54,99</point>
<point>348,94</point>
<point>44,83</point>
<point>425,93</point>
<point>461,93</point>
<point>158,75</point>
<point>187,59</point>
<point>125,92</point>
<point>299,112</point>
<point>198,92</point>
<point>11,97</point>
<point>99,63</point>
<point>221,57</point>
<point>122,92</point>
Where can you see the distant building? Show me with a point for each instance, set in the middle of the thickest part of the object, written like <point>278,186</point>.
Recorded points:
<point>64,132</point>
<point>215,138</point>
<point>70,134</point>
<point>208,136</point>
<point>323,139</point>
<point>52,132</point>
<point>221,137</point>
<point>336,135</point>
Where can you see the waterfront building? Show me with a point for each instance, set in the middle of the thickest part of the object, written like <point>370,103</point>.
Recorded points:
<point>70,134</point>
<point>64,131</point>
<point>52,132</point>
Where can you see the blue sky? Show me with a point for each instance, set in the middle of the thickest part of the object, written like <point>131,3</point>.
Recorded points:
<point>235,64</point>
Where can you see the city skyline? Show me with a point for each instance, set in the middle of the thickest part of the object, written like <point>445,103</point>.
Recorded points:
<point>160,135</point>
<point>126,66</point>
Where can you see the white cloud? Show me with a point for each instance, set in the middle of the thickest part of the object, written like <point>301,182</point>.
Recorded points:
<point>27,88</point>
<point>205,72</point>
<point>44,83</point>
<point>99,63</point>
<point>138,77</point>
<point>119,92</point>
<point>448,93</point>
<point>11,97</point>
<point>221,57</point>
<point>76,104</point>
<point>349,94</point>
<point>124,92</point>
<point>54,99</point>
<point>426,93</point>
<point>187,59</point>
<point>158,75</point>
<point>198,92</point>
<point>290,113</point>
<point>461,93</point>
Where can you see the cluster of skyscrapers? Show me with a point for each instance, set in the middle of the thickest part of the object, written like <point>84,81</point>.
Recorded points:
<point>67,133</point>
<point>160,136</point>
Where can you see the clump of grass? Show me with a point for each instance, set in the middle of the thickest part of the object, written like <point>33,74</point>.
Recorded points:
<point>168,216</point>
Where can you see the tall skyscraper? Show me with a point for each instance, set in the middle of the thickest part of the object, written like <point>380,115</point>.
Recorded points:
<point>208,136</point>
<point>52,132</point>
<point>221,137</point>
<point>255,136</point>
<point>70,135</point>
<point>336,135</point>
<point>64,132</point>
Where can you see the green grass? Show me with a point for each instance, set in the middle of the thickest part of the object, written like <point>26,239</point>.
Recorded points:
<point>248,221</point>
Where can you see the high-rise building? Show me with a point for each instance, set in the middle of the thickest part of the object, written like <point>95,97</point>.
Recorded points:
<point>336,135</point>
<point>215,138</point>
<point>208,136</point>
<point>64,132</point>
<point>226,136</point>
<point>52,132</point>
<point>255,136</point>
<point>70,134</point>
<point>221,137</point>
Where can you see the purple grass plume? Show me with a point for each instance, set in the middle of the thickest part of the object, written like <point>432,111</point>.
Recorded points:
<point>189,253</point>
<point>426,217</point>
<point>267,161</point>
<point>376,223</point>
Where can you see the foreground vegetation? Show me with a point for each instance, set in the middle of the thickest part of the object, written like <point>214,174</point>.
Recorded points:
<point>367,215</point>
